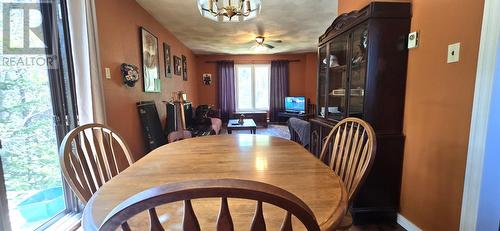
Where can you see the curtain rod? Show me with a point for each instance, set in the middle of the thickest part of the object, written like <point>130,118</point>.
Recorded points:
<point>292,61</point>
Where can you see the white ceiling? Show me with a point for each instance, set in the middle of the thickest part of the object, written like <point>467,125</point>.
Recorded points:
<point>298,23</point>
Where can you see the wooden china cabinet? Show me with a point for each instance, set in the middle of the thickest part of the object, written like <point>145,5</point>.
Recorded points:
<point>362,73</point>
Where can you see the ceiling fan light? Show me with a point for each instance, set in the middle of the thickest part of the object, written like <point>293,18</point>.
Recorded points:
<point>259,39</point>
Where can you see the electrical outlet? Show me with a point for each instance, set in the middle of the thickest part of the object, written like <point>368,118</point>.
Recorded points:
<point>108,72</point>
<point>453,53</point>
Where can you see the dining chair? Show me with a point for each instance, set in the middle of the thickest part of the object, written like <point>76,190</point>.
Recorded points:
<point>213,188</point>
<point>90,155</point>
<point>349,150</point>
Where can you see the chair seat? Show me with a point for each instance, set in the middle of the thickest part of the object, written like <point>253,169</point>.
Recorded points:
<point>346,222</point>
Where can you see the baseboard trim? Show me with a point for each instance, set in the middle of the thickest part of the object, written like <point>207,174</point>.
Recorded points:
<point>407,224</point>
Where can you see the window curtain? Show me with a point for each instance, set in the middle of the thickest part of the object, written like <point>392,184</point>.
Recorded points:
<point>226,91</point>
<point>85,49</point>
<point>278,88</point>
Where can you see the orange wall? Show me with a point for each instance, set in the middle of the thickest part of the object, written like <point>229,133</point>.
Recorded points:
<point>302,76</point>
<point>119,22</point>
<point>437,109</point>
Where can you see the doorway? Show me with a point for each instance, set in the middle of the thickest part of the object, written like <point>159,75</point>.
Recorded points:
<point>37,108</point>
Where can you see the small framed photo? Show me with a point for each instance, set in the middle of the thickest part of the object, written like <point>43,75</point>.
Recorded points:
<point>184,68</point>
<point>207,79</point>
<point>167,60</point>
<point>177,65</point>
<point>150,61</point>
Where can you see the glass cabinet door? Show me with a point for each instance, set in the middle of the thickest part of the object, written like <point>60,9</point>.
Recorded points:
<point>337,79</point>
<point>322,75</point>
<point>358,71</point>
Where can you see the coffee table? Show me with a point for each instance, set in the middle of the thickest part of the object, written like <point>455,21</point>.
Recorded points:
<point>248,124</point>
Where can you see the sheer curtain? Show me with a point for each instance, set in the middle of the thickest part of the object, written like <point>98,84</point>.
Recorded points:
<point>226,85</point>
<point>278,88</point>
<point>85,47</point>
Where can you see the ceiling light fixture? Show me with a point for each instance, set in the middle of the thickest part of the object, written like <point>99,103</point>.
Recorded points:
<point>229,10</point>
<point>259,40</point>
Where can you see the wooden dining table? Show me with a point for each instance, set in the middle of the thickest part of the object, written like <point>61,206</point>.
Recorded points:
<point>267,159</point>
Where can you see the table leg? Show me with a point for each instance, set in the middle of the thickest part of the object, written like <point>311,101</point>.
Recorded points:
<point>229,131</point>
<point>254,131</point>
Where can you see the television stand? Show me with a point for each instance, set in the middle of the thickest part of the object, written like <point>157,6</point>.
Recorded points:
<point>302,116</point>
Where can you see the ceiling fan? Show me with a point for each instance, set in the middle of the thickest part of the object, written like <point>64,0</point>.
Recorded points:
<point>260,39</point>
<point>260,42</point>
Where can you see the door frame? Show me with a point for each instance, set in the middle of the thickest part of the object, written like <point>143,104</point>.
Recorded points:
<point>480,113</point>
<point>63,98</point>
<point>4,205</point>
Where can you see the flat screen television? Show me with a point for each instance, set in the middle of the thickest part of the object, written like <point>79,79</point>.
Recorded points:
<point>295,104</point>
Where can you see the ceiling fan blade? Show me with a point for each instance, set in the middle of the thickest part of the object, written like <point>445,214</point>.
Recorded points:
<point>268,45</point>
<point>254,46</point>
<point>276,41</point>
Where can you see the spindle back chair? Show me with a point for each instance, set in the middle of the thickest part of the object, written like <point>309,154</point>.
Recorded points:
<point>349,150</point>
<point>90,155</point>
<point>218,188</point>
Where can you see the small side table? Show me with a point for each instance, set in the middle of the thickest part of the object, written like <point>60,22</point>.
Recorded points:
<point>248,124</point>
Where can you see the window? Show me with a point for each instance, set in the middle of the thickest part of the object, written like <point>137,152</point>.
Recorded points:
<point>37,109</point>
<point>252,87</point>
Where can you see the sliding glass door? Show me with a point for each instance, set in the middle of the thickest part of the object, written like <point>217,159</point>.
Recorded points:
<point>36,110</point>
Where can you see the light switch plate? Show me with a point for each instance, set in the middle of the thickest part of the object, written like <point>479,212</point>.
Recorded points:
<point>453,53</point>
<point>108,73</point>
<point>413,40</point>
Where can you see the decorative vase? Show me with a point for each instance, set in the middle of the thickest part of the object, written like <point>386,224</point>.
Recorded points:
<point>241,120</point>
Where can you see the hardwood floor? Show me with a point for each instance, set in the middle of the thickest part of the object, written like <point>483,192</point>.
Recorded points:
<point>389,227</point>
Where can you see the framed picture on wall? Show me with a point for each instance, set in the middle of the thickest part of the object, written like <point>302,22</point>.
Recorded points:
<point>207,79</point>
<point>184,68</point>
<point>167,60</point>
<point>177,65</point>
<point>150,61</point>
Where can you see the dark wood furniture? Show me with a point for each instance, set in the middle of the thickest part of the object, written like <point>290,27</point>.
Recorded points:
<point>266,159</point>
<point>362,73</point>
<point>91,155</point>
<point>259,117</point>
<point>212,188</point>
<point>302,116</point>
<point>294,136</point>
<point>248,124</point>
<point>349,150</point>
